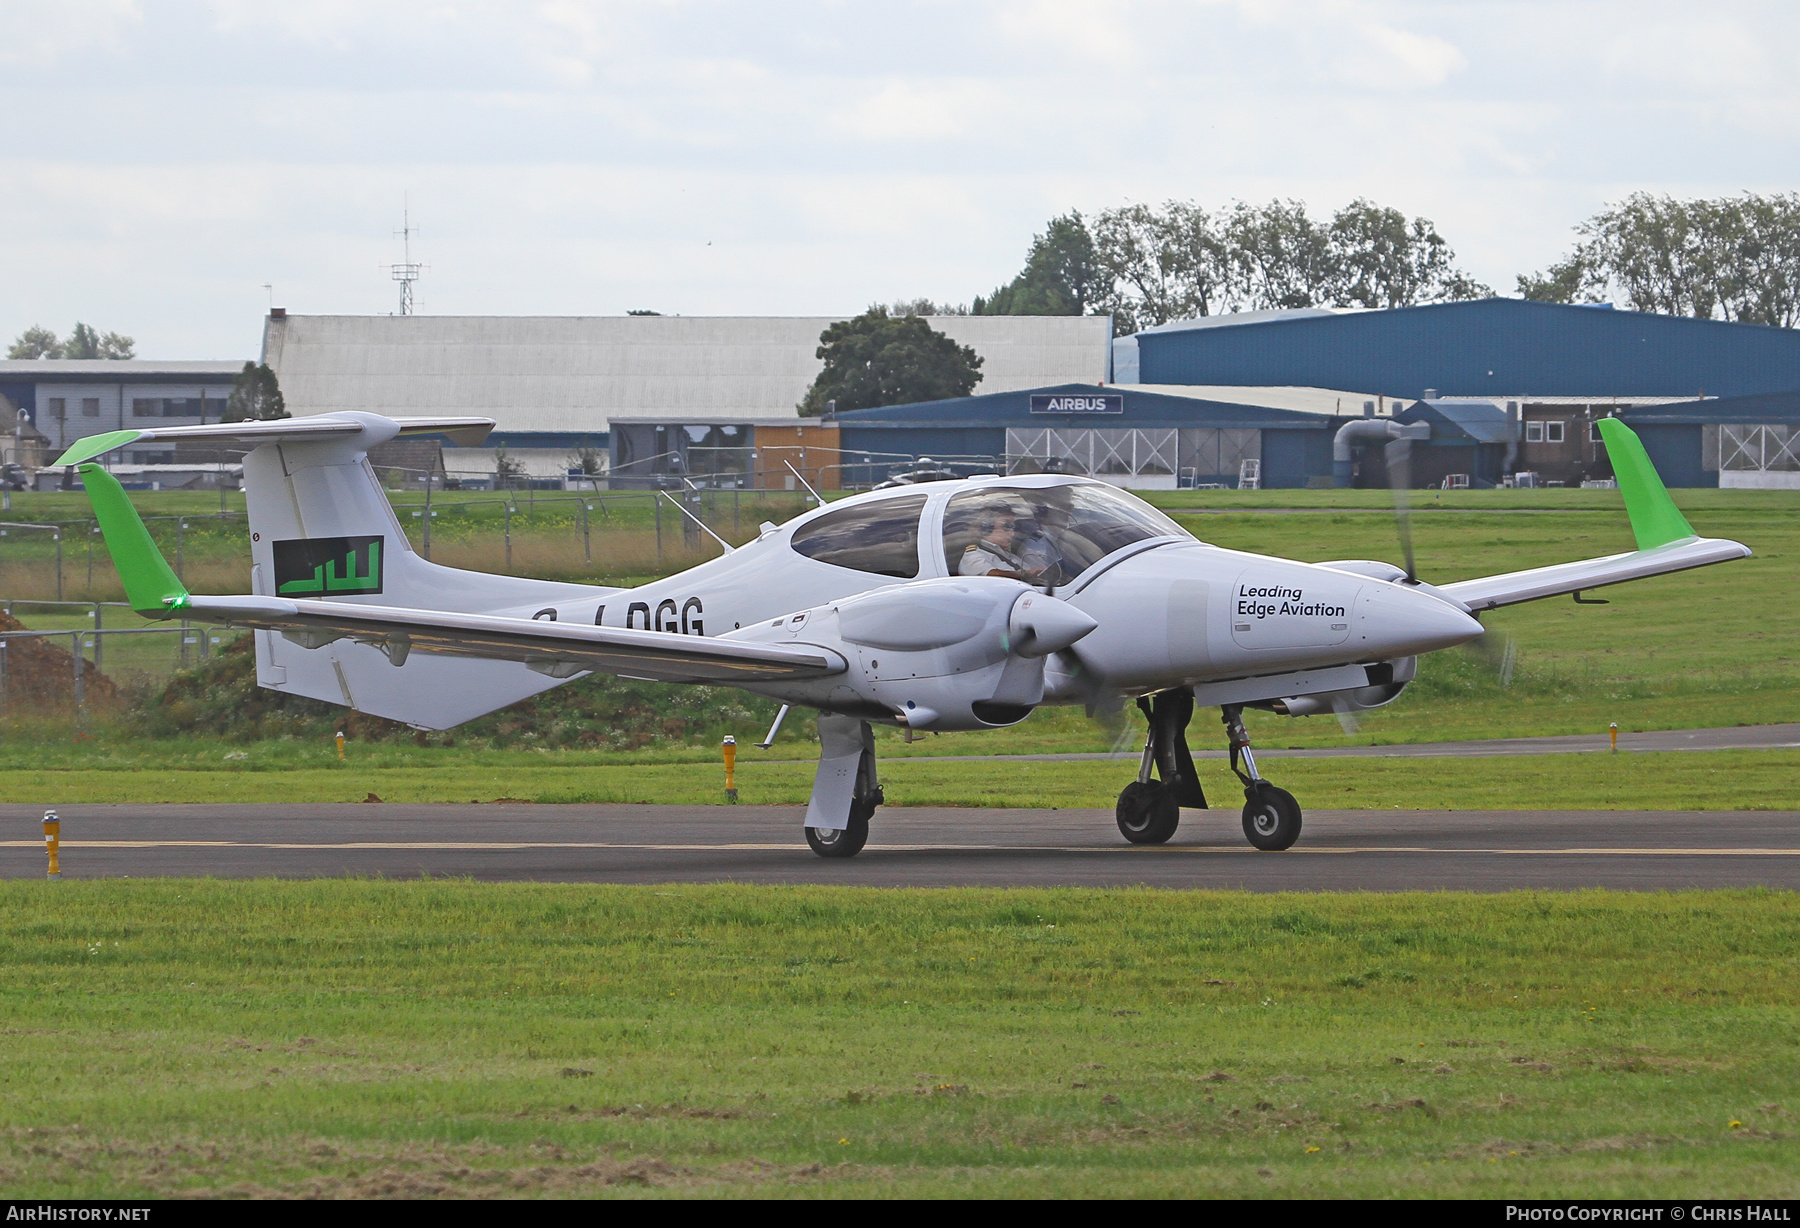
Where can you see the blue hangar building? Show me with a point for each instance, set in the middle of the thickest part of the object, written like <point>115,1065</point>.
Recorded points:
<point>1132,437</point>
<point>1497,348</point>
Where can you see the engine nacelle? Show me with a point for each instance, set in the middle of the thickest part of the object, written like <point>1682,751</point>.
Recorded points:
<point>948,654</point>
<point>1386,681</point>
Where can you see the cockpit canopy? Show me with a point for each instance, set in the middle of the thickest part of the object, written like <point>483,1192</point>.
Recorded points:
<point>1044,534</point>
<point>1037,532</point>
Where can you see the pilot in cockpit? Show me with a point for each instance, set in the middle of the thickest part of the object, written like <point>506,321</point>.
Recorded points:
<point>996,554</point>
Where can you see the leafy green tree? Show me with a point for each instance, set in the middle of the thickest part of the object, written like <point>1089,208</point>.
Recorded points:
<point>1160,265</point>
<point>1384,260</point>
<point>1733,258</point>
<point>255,396</point>
<point>1280,257</point>
<point>507,469</point>
<point>36,342</point>
<point>84,341</point>
<point>1061,275</point>
<point>1568,281</point>
<point>880,359</point>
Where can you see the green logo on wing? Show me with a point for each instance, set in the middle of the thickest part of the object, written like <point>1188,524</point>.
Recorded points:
<point>322,566</point>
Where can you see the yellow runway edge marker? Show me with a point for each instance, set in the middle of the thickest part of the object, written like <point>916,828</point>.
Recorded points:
<point>729,749</point>
<point>53,843</point>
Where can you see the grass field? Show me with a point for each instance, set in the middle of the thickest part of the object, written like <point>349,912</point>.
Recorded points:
<point>358,1038</point>
<point>1677,780</point>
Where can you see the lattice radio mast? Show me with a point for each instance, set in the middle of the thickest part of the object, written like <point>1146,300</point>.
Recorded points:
<point>406,272</point>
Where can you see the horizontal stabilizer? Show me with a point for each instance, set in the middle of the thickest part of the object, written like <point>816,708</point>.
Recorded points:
<point>557,649</point>
<point>465,432</point>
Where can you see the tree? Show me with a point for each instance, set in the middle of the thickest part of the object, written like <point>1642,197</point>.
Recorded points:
<point>36,342</point>
<point>1734,258</point>
<point>255,396</point>
<point>1157,266</point>
<point>1280,257</point>
<point>1570,281</point>
<point>507,470</point>
<point>84,342</point>
<point>1383,260</point>
<point>880,359</point>
<point>1060,277</point>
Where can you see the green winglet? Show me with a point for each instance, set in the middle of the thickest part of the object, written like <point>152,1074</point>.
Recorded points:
<point>1655,520</point>
<point>96,445</point>
<point>153,590</point>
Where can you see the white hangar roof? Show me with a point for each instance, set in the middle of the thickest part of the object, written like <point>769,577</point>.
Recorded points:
<point>576,373</point>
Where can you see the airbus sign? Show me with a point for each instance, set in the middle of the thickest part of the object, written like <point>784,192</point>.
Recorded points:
<point>1062,403</point>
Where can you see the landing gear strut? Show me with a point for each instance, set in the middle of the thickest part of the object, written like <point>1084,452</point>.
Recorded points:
<point>1149,810</point>
<point>1271,815</point>
<point>846,790</point>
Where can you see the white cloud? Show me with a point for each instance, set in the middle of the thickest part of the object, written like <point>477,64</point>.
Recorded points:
<point>569,156</point>
<point>46,35</point>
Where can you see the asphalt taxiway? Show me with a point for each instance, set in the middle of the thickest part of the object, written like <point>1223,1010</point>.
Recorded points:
<point>1375,850</point>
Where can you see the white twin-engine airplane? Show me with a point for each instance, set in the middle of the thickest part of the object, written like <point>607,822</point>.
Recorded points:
<point>956,605</point>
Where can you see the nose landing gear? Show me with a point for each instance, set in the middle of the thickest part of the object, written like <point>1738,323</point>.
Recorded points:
<point>1149,808</point>
<point>1271,815</point>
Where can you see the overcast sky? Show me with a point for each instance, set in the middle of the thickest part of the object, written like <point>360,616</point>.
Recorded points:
<point>162,162</point>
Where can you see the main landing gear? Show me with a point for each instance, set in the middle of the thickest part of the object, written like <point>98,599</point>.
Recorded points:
<point>1271,815</point>
<point>1149,809</point>
<point>846,790</point>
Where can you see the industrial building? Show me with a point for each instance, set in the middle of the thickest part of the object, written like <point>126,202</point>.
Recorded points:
<point>1128,436</point>
<point>70,399</point>
<point>557,383</point>
<point>1497,348</point>
<point>1737,443</point>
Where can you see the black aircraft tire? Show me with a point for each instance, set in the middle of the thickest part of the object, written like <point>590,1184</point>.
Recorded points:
<point>1147,813</point>
<point>1271,818</point>
<point>847,843</point>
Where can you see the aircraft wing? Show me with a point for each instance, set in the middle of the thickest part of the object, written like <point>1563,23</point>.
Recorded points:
<point>1516,586</point>
<point>557,649</point>
<point>1666,541</point>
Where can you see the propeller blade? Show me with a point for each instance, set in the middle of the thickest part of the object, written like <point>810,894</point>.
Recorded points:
<point>1346,715</point>
<point>1399,472</point>
<point>1497,651</point>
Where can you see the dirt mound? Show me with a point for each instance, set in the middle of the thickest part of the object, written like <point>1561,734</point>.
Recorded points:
<point>40,670</point>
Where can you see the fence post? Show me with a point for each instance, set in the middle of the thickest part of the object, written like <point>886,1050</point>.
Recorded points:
<point>656,499</point>
<point>92,529</point>
<point>180,543</point>
<point>428,485</point>
<point>99,640</point>
<point>59,569</point>
<point>506,510</point>
<point>3,644</point>
<point>75,642</point>
<point>587,550</point>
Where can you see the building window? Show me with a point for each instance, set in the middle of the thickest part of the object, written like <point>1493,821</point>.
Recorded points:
<point>1594,435</point>
<point>1553,432</point>
<point>59,408</point>
<point>90,407</point>
<point>1534,432</point>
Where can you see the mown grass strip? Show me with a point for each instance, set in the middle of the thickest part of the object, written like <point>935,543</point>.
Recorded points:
<point>365,1037</point>
<point>1675,780</point>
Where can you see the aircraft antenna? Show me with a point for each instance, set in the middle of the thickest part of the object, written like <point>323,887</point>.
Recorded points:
<point>407,271</point>
<point>805,483</point>
<point>677,502</point>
